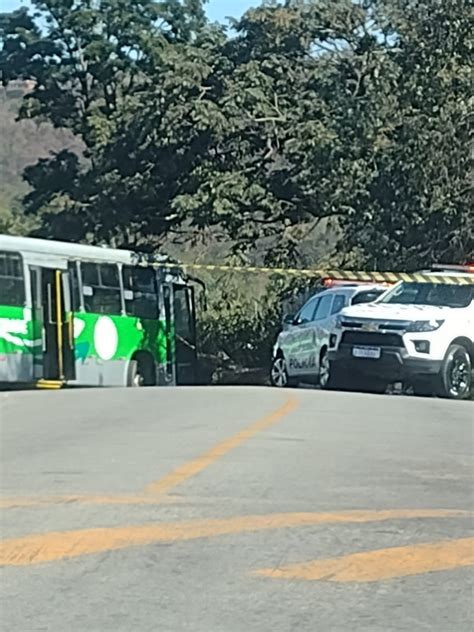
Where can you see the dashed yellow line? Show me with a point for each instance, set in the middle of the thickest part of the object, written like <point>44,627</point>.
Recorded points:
<point>194,467</point>
<point>383,564</point>
<point>53,547</point>
<point>157,492</point>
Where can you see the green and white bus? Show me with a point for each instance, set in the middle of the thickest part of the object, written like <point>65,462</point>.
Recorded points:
<point>89,316</point>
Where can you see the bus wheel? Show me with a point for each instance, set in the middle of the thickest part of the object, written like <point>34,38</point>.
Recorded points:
<point>142,372</point>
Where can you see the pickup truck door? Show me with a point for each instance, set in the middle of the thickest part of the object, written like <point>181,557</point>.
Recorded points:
<point>321,328</point>
<point>299,358</point>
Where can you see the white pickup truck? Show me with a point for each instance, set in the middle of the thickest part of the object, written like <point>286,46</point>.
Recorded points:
<point>419,333</point>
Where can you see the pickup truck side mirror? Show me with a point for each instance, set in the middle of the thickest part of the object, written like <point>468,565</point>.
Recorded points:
<point>289,320</point>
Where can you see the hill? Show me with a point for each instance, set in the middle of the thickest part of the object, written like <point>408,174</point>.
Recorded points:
<point>24,142</point>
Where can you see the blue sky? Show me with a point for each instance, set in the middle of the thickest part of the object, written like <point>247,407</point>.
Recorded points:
<point>220,9</point>
<point>217,9</point>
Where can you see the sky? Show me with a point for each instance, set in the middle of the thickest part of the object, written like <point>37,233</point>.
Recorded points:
<point>217,9</point>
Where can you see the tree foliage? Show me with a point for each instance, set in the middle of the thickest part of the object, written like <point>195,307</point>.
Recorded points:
<point>355,111</point>
<point>418,199</point>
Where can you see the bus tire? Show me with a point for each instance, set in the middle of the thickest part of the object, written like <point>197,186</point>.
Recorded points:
<point>142,371</point>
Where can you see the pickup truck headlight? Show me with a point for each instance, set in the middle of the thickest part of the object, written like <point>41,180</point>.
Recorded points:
<point>424,325</point>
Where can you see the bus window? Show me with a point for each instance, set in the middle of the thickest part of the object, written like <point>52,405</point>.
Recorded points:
<point>170,343</point>
<point>182,312</point>
<point>12,283</point>
<point>75,292</point>
<point>141,292</point>
<point>101,288</point>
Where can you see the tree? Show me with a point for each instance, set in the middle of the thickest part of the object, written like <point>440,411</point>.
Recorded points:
<point>417,204</point>
<point>351,111</point>
<point>94,68</point>
<point>359,111</point>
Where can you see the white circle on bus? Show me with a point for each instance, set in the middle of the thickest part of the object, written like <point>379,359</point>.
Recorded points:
<point>105,338</point>
<point>79,326</point>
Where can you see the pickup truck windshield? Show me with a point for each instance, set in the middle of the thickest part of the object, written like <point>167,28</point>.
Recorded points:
<point>435,294</point>
<point>366,297</point>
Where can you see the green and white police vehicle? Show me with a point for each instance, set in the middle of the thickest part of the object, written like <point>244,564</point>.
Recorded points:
<point>301,350</point>
<point>421,333</point>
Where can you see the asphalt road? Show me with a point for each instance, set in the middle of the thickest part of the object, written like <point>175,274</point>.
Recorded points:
<point>235,510</point>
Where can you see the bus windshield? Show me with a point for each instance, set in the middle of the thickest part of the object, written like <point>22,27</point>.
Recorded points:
<point>434,294</point>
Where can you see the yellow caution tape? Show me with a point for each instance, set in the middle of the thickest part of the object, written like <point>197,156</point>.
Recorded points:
<point>340,275</point>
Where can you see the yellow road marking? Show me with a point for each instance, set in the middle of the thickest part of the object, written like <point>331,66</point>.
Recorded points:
<point>21,503</point>
<point>194,467</point>
<point>372,566</point>
<point>161,487</point>
<point>50,547</point>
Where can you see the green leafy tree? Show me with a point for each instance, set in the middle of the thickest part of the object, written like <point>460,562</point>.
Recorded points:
<point>360,112</point>
<point>417,204</point>
<point>94,67</point>
<point>350,112</point>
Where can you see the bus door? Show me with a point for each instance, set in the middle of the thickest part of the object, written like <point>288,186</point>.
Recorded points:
<point>167,314</point>
<point>53,316</point>
<point>185,334</point>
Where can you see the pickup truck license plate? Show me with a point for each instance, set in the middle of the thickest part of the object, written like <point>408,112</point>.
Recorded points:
<point>367,352</point>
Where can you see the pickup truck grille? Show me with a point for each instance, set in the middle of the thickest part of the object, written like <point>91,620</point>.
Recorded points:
<point>371,339</point>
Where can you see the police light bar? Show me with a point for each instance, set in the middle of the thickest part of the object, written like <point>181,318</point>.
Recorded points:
<point>466,268</point>
<point>328,283</point>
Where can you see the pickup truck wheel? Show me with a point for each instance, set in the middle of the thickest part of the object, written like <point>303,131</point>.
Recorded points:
<point>279,374</point>
<point>325,372</point>
<point>456,374</point>
<point>330,377</point>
